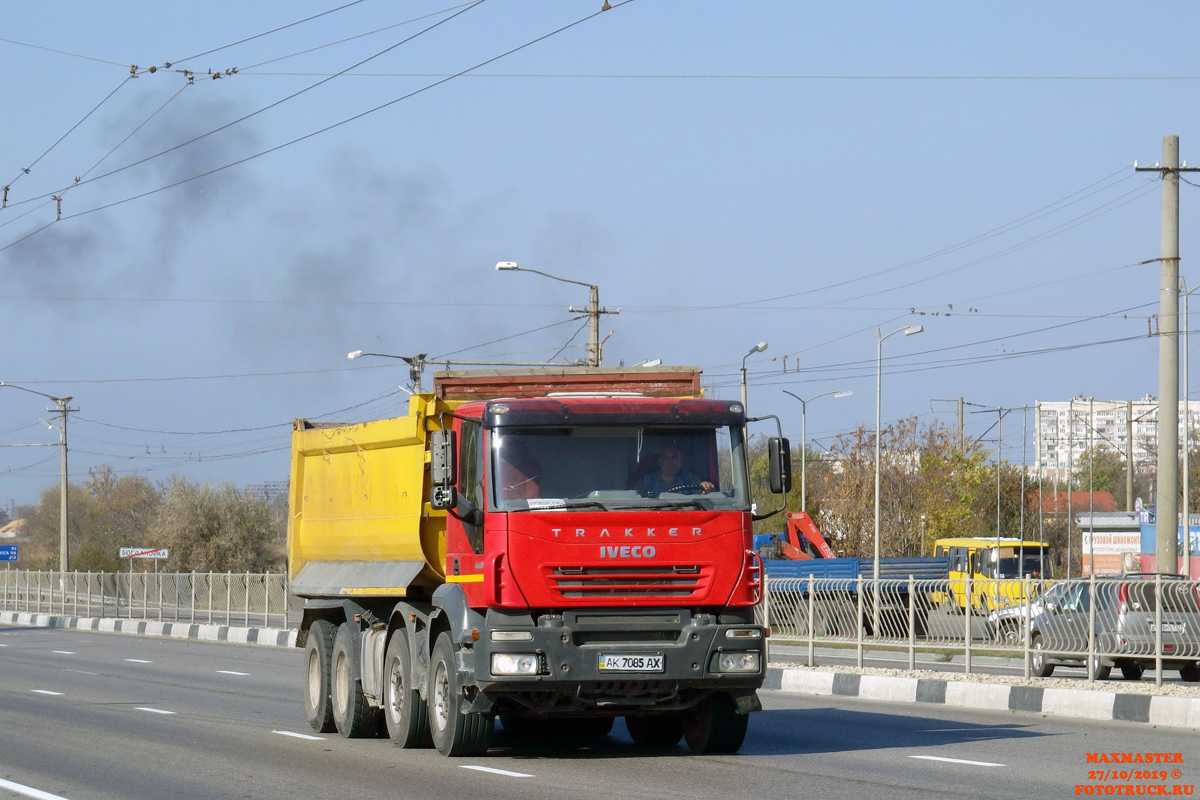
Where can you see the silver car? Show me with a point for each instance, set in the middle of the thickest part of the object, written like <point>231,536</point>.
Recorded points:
<point>1125,622</point>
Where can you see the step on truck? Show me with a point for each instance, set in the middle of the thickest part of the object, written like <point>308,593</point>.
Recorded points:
<point>550,548</point>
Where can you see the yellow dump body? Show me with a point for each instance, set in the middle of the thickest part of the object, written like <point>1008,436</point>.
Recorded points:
<point>360,524</point>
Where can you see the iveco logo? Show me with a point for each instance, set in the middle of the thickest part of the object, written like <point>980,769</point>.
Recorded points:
<point>637,551</point>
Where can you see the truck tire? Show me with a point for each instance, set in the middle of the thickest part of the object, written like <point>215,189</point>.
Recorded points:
<point>404,711</point>
<point>318,654</point>
<point>1037,658</point>
<point>714,726</point>
<point>1190,673</point>
<point>351,714</point>
<point>454,733</point>
<point>655,730</point>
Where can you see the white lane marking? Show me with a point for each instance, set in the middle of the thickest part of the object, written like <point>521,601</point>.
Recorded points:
<point>139,661</point>
<point>230,672</point>
<point>29,791</point>
<point>46,691</point>
<point>154,710</point>
<point>497,771</point>
<point>300,736</point>
<point>959,761</point>
<point>81,671</point>
<point>72,652</point>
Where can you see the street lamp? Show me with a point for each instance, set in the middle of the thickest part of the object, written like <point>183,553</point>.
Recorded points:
<point>837,393</point>
<point>593,309</point>
<point>61,402</point>
<point>758,348</point>
<point>416,365</point>
<point>907,330</point>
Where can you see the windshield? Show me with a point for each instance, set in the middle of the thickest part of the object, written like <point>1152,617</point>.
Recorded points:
<point>619,467</point>
<point>1032,565</point>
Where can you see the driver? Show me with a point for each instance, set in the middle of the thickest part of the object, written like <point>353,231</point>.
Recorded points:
<point>672,476</point>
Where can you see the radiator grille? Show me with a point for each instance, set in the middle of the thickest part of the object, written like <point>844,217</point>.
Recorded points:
<point>680,581</point>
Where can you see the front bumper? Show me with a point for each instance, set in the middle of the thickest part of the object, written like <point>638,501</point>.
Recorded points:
<point>569,647</point>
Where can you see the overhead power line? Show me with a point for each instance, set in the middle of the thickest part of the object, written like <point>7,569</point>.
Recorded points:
<point>63,52</point>
<point>242,70</point>
<point>266,33</point>
<point>335,125</point>
<point>28,169</point>
<point>245,117</point>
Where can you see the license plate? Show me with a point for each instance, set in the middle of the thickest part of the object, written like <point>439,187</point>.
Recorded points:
<point>620,663</point>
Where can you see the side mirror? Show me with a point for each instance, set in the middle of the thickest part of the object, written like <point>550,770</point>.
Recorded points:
<point>779,455</point>
<point>443,455</point>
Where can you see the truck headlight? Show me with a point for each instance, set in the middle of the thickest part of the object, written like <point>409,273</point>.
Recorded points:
<point>514,664</point>
<point>737,662</point>
<point>512,636</point>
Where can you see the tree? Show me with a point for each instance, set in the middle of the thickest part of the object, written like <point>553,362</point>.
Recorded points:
<point>217,528</point>
<point>929,489</point>
<point>106,513</point>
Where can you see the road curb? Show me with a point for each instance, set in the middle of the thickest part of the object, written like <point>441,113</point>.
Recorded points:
<point>1179,712</point>
<point>260,637</point>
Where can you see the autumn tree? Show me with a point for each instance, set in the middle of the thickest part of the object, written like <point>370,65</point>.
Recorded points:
<point>217,528</point>
<point>106,512</point>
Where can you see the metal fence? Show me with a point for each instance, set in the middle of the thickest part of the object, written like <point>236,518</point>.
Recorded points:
<point>1132,623</point>
<point>225,598</point>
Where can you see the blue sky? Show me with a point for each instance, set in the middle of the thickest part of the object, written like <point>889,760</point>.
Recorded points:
<point>725,172</point>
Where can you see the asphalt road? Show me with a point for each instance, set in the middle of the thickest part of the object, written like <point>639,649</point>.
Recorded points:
<point>85,715</point>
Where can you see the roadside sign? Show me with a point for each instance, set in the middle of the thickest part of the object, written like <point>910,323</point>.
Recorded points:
<point>144,552</point>
<point>8,552</point>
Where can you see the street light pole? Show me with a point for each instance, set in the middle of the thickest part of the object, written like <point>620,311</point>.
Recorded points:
<point>63,507</point>
<point>907,330</point>
<point>804,438</point>
<point>758,348</point>
<point>593,309</point>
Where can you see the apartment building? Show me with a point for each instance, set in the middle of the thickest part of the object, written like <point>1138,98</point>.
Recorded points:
<point>1066,429</point>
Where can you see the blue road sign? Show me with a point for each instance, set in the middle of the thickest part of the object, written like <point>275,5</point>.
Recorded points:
<point>8,552</point>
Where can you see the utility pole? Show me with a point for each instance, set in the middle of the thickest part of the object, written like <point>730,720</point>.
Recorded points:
<point>1166,512</point>
<point>63,551</point>
<point>1129,455</point>
<point>63,409</point>
<point>962,442</point>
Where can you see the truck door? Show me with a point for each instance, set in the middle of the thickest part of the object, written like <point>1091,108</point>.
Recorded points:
<point>464,534</point>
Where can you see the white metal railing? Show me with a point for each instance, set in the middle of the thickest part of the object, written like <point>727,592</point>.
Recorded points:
<point>227,598</point>
<point>1130,623</point>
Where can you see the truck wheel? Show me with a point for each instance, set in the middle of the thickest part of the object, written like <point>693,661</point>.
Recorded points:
<point>656,730</point>
<point>317,660</point>
<point>454,733</point>
<point>1037,659</point>
<point>714,726</point>
<point>404,712</point>
<point>1190,673</point>
<point>1132,671</point>
<point>351,714</point>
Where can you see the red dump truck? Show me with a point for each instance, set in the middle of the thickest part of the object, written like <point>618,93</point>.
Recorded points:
<point>552,548</point>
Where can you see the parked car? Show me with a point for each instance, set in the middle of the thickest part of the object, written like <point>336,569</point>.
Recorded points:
<point>1124,634</point>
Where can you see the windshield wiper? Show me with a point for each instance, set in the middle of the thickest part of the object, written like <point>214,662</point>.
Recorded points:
<point>680,504</point>
<point>564,504</point>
